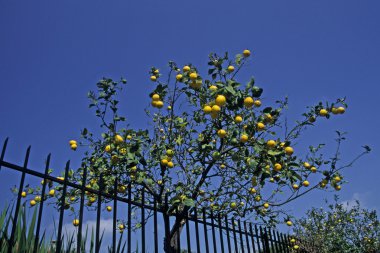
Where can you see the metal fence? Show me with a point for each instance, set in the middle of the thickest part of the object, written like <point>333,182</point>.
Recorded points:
<point>212,233</point>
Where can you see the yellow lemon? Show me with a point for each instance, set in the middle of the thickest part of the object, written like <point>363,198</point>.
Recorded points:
<point>238,119</point>
<point>119,139</point>
<point>213,88</point>
<point>193,76</point>
<point>271,143</point>
<point>109,208</point>
<point>178,77</point>
<point>244,138</point>
<point>153,78</point>
<point>277,167</point>
<point>76,222</point>
<point>231,68</point>
<point>323,112</point>
<point>257,103</point>
<point>222,133</point>
<point>220,100</point>
<point>305,183</point>
<point>289,150</point>
<point>341,110</point>
<point>156,97</point>
<point>246,53</point>
<point>186,68</point>
<point>207,109</point>
<point>215,108</point>
<point>260,126</point>
<point>248,102</point>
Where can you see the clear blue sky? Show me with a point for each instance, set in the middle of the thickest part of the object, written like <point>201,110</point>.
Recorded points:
<point>52,53</point>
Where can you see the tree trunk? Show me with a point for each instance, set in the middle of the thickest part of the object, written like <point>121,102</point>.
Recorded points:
<point>171,235</point>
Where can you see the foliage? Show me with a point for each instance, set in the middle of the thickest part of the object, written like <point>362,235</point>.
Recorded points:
<point>341,228</point>
<point>213,143</point>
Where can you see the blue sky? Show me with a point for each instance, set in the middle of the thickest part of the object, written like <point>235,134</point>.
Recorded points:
<point>52,53</point>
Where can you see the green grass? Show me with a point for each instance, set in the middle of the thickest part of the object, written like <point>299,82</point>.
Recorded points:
<point>25,237</point>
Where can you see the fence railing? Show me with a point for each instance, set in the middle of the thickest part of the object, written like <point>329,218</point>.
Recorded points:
<point>213,233</point>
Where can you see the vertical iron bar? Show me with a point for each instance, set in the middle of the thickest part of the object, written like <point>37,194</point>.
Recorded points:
<point>287,238</point>
<point>268,232</point>
<point>81,208</point>
<point>252,238</point>
<point>197,230</point>
<point>62,207</point>
<point>205,229</point>
<point>276,241</point>
<point>188,234</point>
<point>264,237</point>
<point>213,231</point>
<point>37,238</point>
<point>234,233</point>
<point>241,237</point>
<point>246,236</point>
<point>167,224</point>
<point>155,225</point>
<point>178,219</point>
<point>258,238</point>
<point>220,232</point>
<point>98,211</point>
<point>3,151</point>
<point>129,225</point>
<point>228,233</point>
<point>143,220</point>
<point>114,217</point>
<point>21,187</point>
<point>280,242</point>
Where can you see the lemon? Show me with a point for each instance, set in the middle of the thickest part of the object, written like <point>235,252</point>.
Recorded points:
<point>51,193</point>
<point>323,112</point>
<point>109,208</point>
<point>178,77</point>
<point>230,68</point>
<point>193,76</point>
<point>213,88</point>
<point>222,133</point>
<point>186,68</point>
<point>246,53</point>
<point>305,183</point>
<point>248,102</point>
<point>207,109</point>
<point>32,202</point>
<point>244,138</point>
<point>119,139</point>
<point>271,143</point>
<point>153,78</point>
<point>156,97</point>
<point>220,100</point>
<point>76,222</point>
<point>260,126</point>
<point>23,194</point>
<point>216,108</point>
<point>277,167</point>
<point>289,150</point>
<point>257,103</point>
<point>238,119</point>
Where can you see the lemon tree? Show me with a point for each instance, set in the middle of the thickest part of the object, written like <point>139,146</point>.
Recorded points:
<point>339,228</point>
<point>213,144</point>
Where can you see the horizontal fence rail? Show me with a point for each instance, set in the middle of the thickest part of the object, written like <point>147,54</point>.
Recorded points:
<point>200,232</point>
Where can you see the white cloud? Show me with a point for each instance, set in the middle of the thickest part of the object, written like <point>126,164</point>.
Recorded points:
<point>349,204</point>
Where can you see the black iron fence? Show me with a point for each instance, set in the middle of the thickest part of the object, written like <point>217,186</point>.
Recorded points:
<point>212,233</point>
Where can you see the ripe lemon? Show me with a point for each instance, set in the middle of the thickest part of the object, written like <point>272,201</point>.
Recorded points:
<point>123,151</point>
<point>231,68</point>
<point>233,205</point>
<point>108,148</point>
<point>222,133</point>
<point>109,208</point>
<point>186,68</point>
<point>159,104</point>
<point>193,76</point>
<point>220,100</point>
<point>178,77</point>
<point>72,142</point>
<point>277,167</point>
<point>296,247</point>
<point>337,179</point>
<point>334,110</point>
<point>292,240</point>
<point>305,183</point>
<point>159,182</point>
<point>119,139</point>
<point>289,223</point>
<point>76,222</point>
<point>306,165</point>
<point>338,187</point>
<point>129,137</point>
<point>164,162</point>
<point>213,88</point>
<point>37,198</point>
<point>246,53</point>
<point>207,109</point>
<point>323,112</point>
<point>51,193</point>
<point>216,108</point>
<point>258,198</point>
<point>32,202</point>
<point>74,147</point>
<point>92,199</point>
<point>244,138</point>
<point>23,194</point>
<point>341,110</point>
<point>271,143</point>
<point>289,150</point>
<point>252,190</point>
<point>153,78</point>
<point>238,119</point>
<point>295,186</point>
<point>257,103</point>
<point>260,126</point>
<point>313,169</point>
<point>170,164</point>
<point>266,205</point>
<point>248,102</point>
<point>156,97</point>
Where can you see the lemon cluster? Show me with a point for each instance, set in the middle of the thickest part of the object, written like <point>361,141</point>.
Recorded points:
<point>73,144</point>
<point>156,101</point>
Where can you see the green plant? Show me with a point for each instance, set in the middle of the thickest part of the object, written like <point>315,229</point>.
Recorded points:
<point>339,228</point>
